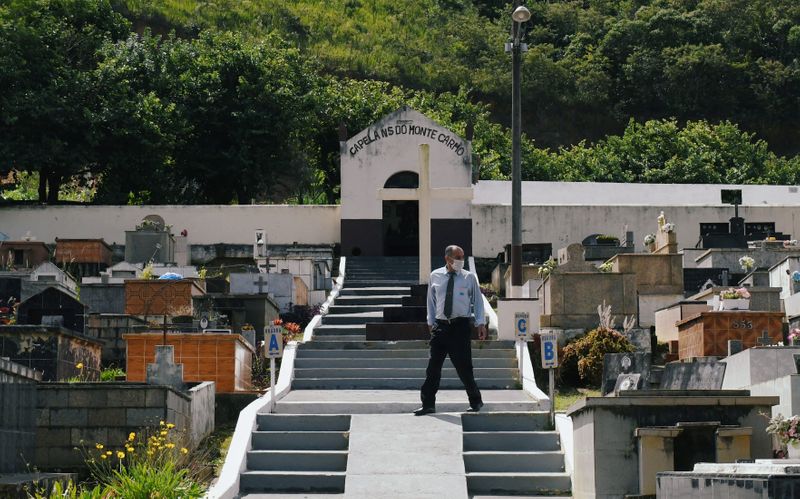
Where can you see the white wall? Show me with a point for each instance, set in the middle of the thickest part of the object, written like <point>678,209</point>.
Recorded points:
<point>207,224</point>
<point>610,193</point>
<point>366,168</point>
<point>565,224</point>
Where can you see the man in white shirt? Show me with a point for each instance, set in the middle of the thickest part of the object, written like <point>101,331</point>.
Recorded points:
<point>453,295</point>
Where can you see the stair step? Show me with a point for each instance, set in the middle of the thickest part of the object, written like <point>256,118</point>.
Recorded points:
<point>303,422</point>
<point>300,440</point>
<point>376,291</point>
<point>482,422</point>
<point>292,481</point>
<point>511,441</point>
<point>477,346</point>
<point>355,284</point>
<point>397,383</point>
<point>340,329</point>
<point>418,362</point>
<point>369,300</point>
<point>314,350</point>
<point>394,407</point>
<point>341,337</point>
<point>526,462</point>
<point>355,309</point>
<point>295,460</point>
<point>396,372</point>
<point>516,483</point>
<point>352,319</point>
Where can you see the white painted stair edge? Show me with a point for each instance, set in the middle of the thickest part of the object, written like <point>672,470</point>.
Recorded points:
<point>308,332</point>
<point>526,374</point>
<point>564,429</point>
<point>227,486</point>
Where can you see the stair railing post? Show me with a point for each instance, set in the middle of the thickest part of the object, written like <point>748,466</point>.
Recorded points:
<point>272,384</point>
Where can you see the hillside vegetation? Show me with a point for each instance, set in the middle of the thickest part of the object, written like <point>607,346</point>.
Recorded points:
<point>219,101</point>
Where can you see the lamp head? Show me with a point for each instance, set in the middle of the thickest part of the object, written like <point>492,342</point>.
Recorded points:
<point>521,14</point>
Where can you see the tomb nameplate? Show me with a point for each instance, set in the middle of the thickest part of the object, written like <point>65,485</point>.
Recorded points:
<point>628,382</point>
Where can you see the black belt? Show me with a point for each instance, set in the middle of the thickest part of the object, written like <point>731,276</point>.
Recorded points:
<point>452,320</point>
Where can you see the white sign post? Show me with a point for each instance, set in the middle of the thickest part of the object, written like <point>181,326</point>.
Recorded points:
<point>521,320</point>
<point>274,349</point>
<point>550,362</point>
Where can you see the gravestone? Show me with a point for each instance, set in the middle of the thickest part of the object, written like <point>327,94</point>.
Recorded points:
<point>164,371</point>
<point>734,347</point>
<point>280,287</point>
<point>571,259</point>
<point>701,374</point>
<point>616,364</point>
<point>641,339</point>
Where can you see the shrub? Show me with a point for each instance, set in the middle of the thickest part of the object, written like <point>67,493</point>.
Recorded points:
<point>582,363</point>
<point>110,373</point>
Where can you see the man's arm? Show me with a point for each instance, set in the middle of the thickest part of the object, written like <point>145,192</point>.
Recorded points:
<point>431,304</point>
<point>477,305</point>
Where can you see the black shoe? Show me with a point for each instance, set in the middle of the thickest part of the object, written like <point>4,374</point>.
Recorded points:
<point>424,410</point>
<point>475,407</point>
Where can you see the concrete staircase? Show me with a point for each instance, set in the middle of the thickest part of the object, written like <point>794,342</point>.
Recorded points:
<point>340,358</point>
<point>297,453</point>
<point>513,453</point>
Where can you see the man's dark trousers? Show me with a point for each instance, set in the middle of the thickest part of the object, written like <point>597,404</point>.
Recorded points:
<point>450,339</point>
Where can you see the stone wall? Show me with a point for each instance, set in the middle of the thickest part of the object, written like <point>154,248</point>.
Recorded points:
<point>570,300</point>
<point>17,415</point>
<point>83,414</point>
<point>109,329</point>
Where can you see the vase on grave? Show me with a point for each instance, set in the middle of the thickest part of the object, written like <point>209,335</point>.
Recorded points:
<point>793,450</point>
<point>734,304</point>
<point>651,248</point>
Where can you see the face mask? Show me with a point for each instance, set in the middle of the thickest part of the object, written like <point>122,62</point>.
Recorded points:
<point>457,265</point>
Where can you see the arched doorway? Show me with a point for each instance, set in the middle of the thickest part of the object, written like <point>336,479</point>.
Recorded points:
<point>401,218</point>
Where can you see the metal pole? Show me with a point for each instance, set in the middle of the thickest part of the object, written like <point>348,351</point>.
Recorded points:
<point>552,390</point>
<point>272,383</point>
<point>516,169</point>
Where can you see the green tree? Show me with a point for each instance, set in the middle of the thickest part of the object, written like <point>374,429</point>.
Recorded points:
<point>49,50</point>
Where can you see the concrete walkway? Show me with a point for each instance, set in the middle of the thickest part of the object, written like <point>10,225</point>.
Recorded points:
<point>405,457</point>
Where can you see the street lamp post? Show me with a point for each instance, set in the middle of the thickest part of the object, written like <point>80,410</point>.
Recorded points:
<point>520,15</point>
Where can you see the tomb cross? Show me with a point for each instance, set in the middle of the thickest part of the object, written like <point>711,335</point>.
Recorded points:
<point>424,194</point>
<point>765,340</point>
<point>261,283</point>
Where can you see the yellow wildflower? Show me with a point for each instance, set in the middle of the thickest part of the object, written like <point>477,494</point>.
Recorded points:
<point>184,450</point>
<point>163,432</point>
<point>161,423</point>
<point>129,448</point>
<point>170,446</point>
<point>79,365</point>
<point>120,454</point>
<point>103,456</point>
<point>99,446</point>
<point>170,426</point>
<point>131,437</point>
<point>108,453</point>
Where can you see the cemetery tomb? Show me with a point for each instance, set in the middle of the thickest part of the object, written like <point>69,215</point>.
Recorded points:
<point>150,242</point>
<point>109,329</point>
<point>52,307</point>
<point>159,297</point>
<point>56,352</point>
<point>666,319</point>
<point>83,257</point>
<point>569,296</point>
<point>707,333</point>
<point>225,359</point>
<point>23,254</point>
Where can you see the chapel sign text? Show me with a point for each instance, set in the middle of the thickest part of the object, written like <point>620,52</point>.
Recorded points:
<point>375,134</point>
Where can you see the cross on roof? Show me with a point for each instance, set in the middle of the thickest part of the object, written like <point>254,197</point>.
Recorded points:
<point>424,194</point>
<point>261,283</point>
<point>764,339</point>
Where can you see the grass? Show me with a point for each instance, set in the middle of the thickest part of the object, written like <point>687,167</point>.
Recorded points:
<point>216,445</point>
<point>566,396</point>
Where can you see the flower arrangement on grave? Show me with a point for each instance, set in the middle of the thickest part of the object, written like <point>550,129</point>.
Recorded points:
<point>649,239</point>
<point>547,267</point>
<point>735,294</point>
<point>786,430</point>
<point>668,227</point>
<point>787,244</point>
<point>796,276</point>
<point>291,330</point>
<point>606,267</point>
<point>794,336</point>
<point>747,263</point>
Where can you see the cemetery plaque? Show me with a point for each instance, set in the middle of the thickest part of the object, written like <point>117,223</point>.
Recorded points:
<point>734,347</point>
<point>698,375</point>
<point>628,382</point>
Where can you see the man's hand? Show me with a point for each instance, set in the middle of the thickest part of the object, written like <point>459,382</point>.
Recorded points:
<point>430,329</point>
<point>482,333</point>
